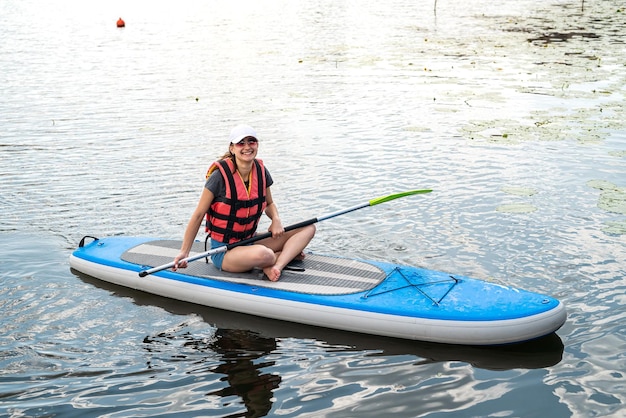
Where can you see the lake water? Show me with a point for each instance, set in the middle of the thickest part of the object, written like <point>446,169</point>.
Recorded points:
<point>513,112</point>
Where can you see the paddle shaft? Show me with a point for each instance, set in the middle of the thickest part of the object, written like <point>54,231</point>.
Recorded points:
<point>265,235</point>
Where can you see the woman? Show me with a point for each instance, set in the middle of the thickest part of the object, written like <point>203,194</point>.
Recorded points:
<point>236,194</point>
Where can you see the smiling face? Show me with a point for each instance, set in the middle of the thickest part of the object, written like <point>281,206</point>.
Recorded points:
<point>246,149</point>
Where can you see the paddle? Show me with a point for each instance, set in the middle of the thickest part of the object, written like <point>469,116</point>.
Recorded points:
<point>259,237</point>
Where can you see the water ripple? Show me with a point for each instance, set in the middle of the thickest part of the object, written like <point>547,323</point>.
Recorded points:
<point>512,114</point>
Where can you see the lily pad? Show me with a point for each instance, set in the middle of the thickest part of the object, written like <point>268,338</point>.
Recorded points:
<point>612,198</point>
<point>516,208</point>
<point>519,191</point>
<point>616,228</point>
<point>601,185</point>
<point>617,153</point>
<point>613,201</point>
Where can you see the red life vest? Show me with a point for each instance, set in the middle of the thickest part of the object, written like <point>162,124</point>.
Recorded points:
<point>235,216</point>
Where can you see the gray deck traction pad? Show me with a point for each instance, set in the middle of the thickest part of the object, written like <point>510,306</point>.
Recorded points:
<point>322,275</point>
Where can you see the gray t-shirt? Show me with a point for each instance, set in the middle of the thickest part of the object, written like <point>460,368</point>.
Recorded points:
<point>217,186</point>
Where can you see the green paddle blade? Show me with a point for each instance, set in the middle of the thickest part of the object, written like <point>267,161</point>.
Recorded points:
<point>384,199</point>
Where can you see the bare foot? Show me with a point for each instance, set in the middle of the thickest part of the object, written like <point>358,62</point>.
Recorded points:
<point>272,273</point>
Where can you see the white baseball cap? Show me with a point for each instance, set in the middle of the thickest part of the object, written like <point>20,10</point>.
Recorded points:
<point>240,132</point>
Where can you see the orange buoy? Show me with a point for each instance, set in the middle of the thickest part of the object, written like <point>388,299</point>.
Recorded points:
<point>120,23</point>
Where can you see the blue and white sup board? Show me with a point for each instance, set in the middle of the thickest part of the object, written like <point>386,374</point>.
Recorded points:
<point>354,295</point>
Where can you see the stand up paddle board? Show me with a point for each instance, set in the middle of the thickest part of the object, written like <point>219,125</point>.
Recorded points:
<point>354,295</point>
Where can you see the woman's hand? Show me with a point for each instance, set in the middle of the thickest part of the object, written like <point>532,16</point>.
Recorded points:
<point>276,228</point>
<point>180,262</point>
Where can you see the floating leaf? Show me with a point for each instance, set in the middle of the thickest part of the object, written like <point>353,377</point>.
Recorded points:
<point>616,228</point>
<point>612,198</point>
<point>617,153</point>
<point>613,201</point>
<point>516,208</point>
<point>601,185</point>
<point>519,191</point>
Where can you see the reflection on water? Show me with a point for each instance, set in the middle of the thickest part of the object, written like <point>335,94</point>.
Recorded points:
<point>237,352</point>
<point>248,352</point>
<point>540,353</point>
<point>243,374</point>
